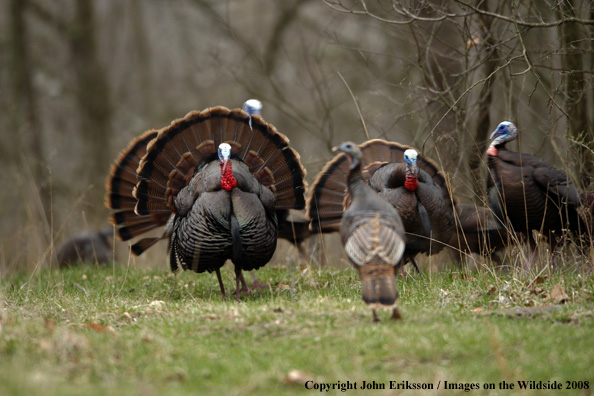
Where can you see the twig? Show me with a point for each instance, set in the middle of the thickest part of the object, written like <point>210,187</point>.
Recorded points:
<point>524,23</point>
<point>356,105</point>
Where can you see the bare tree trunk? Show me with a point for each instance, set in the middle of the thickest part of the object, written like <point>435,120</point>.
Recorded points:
<point>481,134</point>
<point>142,54</point>
<point>93,97</point>
<point>25,117</point>
<point>577,100</point>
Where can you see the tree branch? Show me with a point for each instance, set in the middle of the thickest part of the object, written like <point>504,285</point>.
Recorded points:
<point>525,23</point>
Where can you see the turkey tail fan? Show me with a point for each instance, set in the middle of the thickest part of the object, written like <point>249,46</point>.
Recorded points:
<point>327,201</point>
<point>120,185</point>
<point>183,147</point>
<point>379,285</point>
<point>377,152</point>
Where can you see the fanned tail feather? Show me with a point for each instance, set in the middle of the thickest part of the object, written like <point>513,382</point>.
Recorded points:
<point>156,166</point>
<point>181,148</point>
<point>327,201</point>
<point>379,285</point>
<point>120,188</point>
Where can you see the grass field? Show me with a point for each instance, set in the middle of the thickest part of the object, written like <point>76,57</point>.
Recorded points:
<point>131,331</point>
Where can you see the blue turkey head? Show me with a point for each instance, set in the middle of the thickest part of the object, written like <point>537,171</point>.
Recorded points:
<point>505,132</point>
<point>224,152</point>
<point>252,107</point>
<point>410,159</point>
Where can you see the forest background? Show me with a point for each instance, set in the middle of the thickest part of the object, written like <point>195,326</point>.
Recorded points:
<point>79,79</point>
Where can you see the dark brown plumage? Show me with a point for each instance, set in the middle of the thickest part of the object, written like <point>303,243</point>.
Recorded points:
<point>477,231</point>
<point>527,193</point>
<point>86,247</point>
<point>218,180</point>
<point>294,227</point>
<point>417,189</point>
<point>373,236</point>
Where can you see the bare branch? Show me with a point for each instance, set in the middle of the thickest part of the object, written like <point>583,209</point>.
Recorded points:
<point>534,72</point>
<point>525,23</point>
<point>356,105</point>
<point>345,10</point>
<point>46,16</point>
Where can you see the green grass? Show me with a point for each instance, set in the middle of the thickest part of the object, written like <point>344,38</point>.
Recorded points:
<point>98,331</point>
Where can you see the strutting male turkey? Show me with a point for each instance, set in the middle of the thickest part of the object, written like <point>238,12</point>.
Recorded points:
<point>527,194</point>
<point>373,236</point>
<point>414,186</point>
<point>419,191</point>
<point>219,180</point>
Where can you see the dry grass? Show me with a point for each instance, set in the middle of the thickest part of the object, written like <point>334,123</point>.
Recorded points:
<point>127,330</point>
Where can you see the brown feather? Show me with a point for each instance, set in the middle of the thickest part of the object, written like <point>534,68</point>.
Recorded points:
<point>329,196</point>
<point>372,235</point>
<point>528,194</point>
<point>261,148</point>
<point>379,285</point>
<point>177,182</point>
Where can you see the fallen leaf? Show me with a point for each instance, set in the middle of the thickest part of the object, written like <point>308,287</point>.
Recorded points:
<point>477,309</point>
<point>282,286</point>
<point>50,325</point>
<point>539,279</point>
<point>492,289</point>
<point>99,328</point>
<point>156,303</point>
<point>128,317</point>
<point>297,377</point>
<point>558,295</point>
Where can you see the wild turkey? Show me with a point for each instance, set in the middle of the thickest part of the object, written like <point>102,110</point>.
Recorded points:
<point>293,226</point>
<point>218,180</point>
<point>295,229</point>
<point>415,187</point>
<point>373,236</point>
<point>86,247</point>
<point>528,194</point>
<point>478,231</point>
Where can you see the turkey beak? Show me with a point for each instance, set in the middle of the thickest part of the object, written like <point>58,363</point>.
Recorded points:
<point>334,149</point>
<point>493,134</point>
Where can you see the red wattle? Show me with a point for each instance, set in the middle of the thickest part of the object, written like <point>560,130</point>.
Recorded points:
<point>411,183</point>
<point>228,181</point>
<point>492,151</point>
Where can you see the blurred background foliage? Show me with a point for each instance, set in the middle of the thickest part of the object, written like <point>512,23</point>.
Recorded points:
<point>80,78</point>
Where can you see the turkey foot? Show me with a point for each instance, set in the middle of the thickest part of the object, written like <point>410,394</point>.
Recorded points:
<point>220,279</point>
<point>256,284</point>
<point>245,290</point>
<point>396,314</point>
<point>375,318</point>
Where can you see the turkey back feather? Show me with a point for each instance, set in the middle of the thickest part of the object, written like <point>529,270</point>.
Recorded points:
<point>328,201</point>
